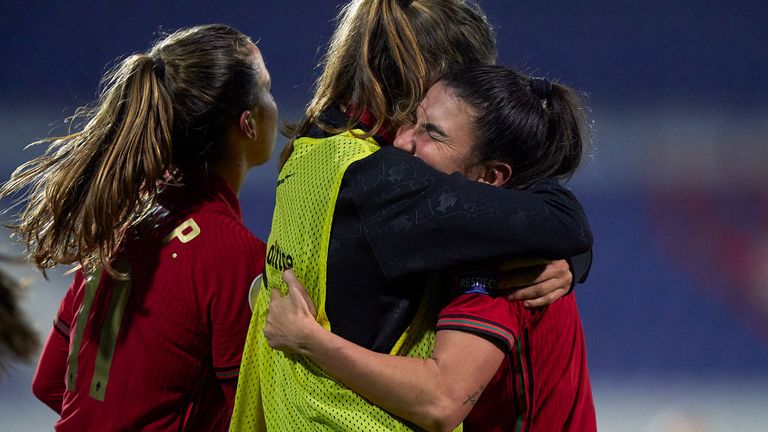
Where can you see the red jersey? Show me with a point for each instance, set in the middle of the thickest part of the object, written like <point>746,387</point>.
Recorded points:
<point>160,351</point>
<point>543,382</point>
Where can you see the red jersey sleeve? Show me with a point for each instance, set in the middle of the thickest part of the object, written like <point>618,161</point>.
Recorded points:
<point>492,318</point>
<point>48,384</point>
<point>232,262</point>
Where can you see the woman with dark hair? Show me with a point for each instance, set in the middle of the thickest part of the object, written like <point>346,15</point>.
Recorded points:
<point>503,365</point>
<point>143,199</point>
<point>18,340</point>
<point>362,222</point>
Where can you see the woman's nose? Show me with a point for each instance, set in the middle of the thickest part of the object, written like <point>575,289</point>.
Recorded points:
<point>404,138</point>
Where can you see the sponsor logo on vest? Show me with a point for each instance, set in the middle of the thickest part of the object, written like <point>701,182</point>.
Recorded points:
<point>278,259</point>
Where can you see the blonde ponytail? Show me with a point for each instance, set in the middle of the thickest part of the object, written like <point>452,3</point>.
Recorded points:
<point>85,191</point>
<point>385,54</point>
<point>157,113</point>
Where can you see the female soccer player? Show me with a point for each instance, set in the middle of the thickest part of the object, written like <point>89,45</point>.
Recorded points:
<point>512,367</point>
<point>144,200</point>
<point>361,221</point>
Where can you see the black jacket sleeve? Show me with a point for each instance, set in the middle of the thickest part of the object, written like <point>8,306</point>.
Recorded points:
<point>419,219</point>
<point>580,265</point>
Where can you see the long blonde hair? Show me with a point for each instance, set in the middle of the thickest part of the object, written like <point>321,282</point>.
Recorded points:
<point>385,54</point>
<point>157,112</point>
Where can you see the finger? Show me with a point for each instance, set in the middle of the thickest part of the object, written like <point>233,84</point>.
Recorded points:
<point>310,303</point>
<point>536,291</point>
<point>558,271</point>
<point>290,278</point>
<point>297,290</point>
<point>274,294</point>
<point>546,300</point>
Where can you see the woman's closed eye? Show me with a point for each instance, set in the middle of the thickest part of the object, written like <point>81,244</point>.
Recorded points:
<point>432,131</point>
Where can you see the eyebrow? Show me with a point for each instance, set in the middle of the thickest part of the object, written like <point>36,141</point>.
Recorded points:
<point>431,127</point>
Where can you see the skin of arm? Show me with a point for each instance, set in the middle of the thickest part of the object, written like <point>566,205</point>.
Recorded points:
<point>535,282</point>
<point>435,394</point>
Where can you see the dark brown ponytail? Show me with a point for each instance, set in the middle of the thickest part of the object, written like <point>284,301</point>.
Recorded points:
<point>537,126</point>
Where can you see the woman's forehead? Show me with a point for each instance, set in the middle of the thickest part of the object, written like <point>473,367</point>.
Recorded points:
<point>442,104</point>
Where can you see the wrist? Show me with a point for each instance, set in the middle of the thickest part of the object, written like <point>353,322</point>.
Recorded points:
<point>313,339</point>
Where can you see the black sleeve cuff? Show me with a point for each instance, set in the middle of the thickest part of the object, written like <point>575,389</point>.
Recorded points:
<point>580,266</point>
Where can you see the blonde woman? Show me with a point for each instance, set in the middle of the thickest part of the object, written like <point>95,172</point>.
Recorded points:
<point>143,199</point>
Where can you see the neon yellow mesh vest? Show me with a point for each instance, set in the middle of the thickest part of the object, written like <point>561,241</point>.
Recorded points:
<point>288,393</point>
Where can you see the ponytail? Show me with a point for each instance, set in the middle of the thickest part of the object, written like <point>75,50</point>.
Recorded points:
<point>157,113</point>
<point>539,127</point>
<point>385,54</point>
<point>397,74</point>
<point>568,132</point>
<point>88,187</point>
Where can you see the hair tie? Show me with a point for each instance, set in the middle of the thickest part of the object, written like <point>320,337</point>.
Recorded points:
<point>404,3</point>
<point>542,88</point>
<point>159,68</point>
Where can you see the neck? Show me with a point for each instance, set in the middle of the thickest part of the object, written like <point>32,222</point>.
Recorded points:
<point>233,172</point>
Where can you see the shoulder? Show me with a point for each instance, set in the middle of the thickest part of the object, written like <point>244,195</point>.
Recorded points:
<point>391,174</point>
<point>494,318</point>
<point>391,161</point>
<point>220,222</point>
<point>213,233</point>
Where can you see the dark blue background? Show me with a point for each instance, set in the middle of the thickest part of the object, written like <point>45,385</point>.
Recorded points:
<point>660,75</point>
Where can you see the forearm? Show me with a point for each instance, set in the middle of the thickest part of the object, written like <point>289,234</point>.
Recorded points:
<point>473,221</point>
<point>545,220</point>
<point>411,388</point>
<point>435,393</point>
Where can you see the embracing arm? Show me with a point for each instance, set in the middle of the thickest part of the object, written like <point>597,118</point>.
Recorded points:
<point>435,393</point>
<point>399,198</point>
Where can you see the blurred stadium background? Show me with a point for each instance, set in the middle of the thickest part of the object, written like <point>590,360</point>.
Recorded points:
<point>676,308</point>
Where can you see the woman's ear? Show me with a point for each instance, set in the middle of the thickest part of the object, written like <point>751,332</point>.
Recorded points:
<point>494,173</point>
<point>247,125</point>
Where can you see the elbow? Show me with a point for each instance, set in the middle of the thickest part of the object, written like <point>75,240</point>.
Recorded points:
<point>443,416</point>
<point>39,389</point>
<point>41,392</point>
<point>583,241</point>
<point>569,221</point>
<point>575,238</point>
<point>46,394</point>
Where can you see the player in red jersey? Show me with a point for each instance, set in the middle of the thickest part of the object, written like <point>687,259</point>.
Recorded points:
<point>498,364</point>
<point>143,199</point>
